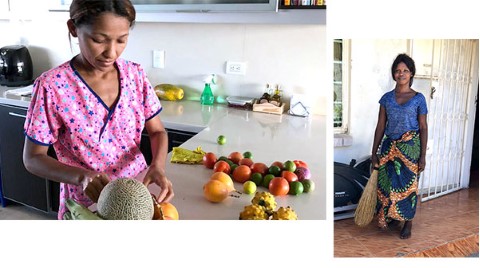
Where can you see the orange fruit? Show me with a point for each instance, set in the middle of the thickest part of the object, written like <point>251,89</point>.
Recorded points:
<point>209,160</point>
<point>225,178</point>
<point>165,211</point>
<point>260,168</point>
<point>246,161</point>
<point>221,166</point>
<point>169,211</point>
<point>235,157</point>
<point>242,173</point>
<point>278,164</point>
<point>215,191</point>
<point>290,176</point>
<point>279,186</point>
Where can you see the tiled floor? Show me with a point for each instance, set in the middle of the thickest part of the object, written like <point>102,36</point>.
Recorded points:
<point>14,211</point>
<point>443,227</point>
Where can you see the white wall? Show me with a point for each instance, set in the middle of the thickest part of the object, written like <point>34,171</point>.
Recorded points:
<point>370,79</point>
<point>292,56</point>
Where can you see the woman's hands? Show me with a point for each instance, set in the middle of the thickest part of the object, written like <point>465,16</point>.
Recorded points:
<point>93,183</point>
<point>157,175</point>
<point>421,164</point>
<point>375,161</point>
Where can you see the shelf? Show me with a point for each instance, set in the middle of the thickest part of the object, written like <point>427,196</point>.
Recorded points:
<point>302,7</point>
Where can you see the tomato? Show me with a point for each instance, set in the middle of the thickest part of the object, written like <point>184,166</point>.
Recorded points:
<point>246,162</point>
<point>279,186</point>
<point>300,163</point>
<point>209,160</point>
<point>222,166</point>
<point>259,168</point>
<point>289,176</point>
<point>235,157</point>
<point>278,164</point>
<point>242,173</point>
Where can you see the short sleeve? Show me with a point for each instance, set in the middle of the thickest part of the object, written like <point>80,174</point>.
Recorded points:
<point>152,105</point>
<point>383,100</point>
<point>422,107</point>
<point>41,124</point>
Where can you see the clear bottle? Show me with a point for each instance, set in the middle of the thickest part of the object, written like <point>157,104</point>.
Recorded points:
<point>265,98</point>
<point>207,97</point>
<point>277,97</point>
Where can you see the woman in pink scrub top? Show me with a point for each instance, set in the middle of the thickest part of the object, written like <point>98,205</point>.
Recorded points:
<point>93,109</point>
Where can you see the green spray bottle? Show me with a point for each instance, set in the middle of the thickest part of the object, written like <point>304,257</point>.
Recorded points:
<point>207,97</point>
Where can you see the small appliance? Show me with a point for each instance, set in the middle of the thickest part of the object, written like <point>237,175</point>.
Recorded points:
<point>16,68</point>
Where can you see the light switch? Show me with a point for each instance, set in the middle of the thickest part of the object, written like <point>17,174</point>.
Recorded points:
<point>159,59</point>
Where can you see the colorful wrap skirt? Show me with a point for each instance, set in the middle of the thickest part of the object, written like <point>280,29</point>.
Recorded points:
<point>397,187</point>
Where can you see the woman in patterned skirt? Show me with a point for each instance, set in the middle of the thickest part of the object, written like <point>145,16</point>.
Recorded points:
<point>402,132</point>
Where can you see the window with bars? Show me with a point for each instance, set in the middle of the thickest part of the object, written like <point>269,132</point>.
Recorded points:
<point>340,85</point>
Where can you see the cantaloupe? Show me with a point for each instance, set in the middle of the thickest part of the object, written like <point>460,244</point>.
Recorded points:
<point>125,199</point>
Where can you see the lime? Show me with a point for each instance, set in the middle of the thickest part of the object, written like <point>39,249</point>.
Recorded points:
<point>257,178</point>
<point>221,140</point>
<point>267,179</point>
<point>233,167</point>
<point>249,187</point>
<point>308,186</point>
<point>289,165</point>
<point>247,154</point>
<point>224,158</point>
<point>230,162</point>
<point>275,171</point>
<point>296,188</point>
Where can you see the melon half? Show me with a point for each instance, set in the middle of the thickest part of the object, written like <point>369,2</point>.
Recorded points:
<point>125,199</point>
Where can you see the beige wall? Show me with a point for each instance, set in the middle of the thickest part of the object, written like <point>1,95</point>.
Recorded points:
<point>293,56</point>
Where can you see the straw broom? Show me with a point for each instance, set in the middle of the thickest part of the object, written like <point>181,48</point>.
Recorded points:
<point>366,205</point>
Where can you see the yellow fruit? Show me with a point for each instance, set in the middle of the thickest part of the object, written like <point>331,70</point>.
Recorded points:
<point>253,212</point>
<point>169,92</point>
<point>249,187</point>
<point>284,214</point>
<point>225,178</point>
<point>215,191</point>
<point>265,200</point>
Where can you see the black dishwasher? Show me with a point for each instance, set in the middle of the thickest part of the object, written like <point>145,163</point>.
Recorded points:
<point>18,184</point>
<point>175,139</point>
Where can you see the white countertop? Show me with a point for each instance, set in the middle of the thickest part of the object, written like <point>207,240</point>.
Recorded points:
<point>269,137</point>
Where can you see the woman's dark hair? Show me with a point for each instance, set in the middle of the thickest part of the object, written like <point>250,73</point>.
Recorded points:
<point>408,61</point>
<point>85,12</point>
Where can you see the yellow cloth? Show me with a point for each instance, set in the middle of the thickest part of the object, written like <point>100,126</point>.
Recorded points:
<point>185,156</point>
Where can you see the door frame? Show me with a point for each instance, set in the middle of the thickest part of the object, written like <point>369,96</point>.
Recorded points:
<point>470,125</point>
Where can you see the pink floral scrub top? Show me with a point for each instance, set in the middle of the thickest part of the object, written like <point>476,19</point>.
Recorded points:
<point>66,113</point>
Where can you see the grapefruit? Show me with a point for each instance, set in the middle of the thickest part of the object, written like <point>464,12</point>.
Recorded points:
<point>215,191</point>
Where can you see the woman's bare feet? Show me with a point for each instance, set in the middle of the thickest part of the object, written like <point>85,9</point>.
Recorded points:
<point>406,230</point>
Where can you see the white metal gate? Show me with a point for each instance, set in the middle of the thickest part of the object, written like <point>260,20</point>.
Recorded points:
<point>451,84</point>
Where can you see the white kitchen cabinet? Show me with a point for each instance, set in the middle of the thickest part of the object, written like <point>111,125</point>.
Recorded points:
<point>59,9</point>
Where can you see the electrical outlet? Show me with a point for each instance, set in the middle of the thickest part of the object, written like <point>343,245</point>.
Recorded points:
<point>159,59</point>
<point>236,67</point>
